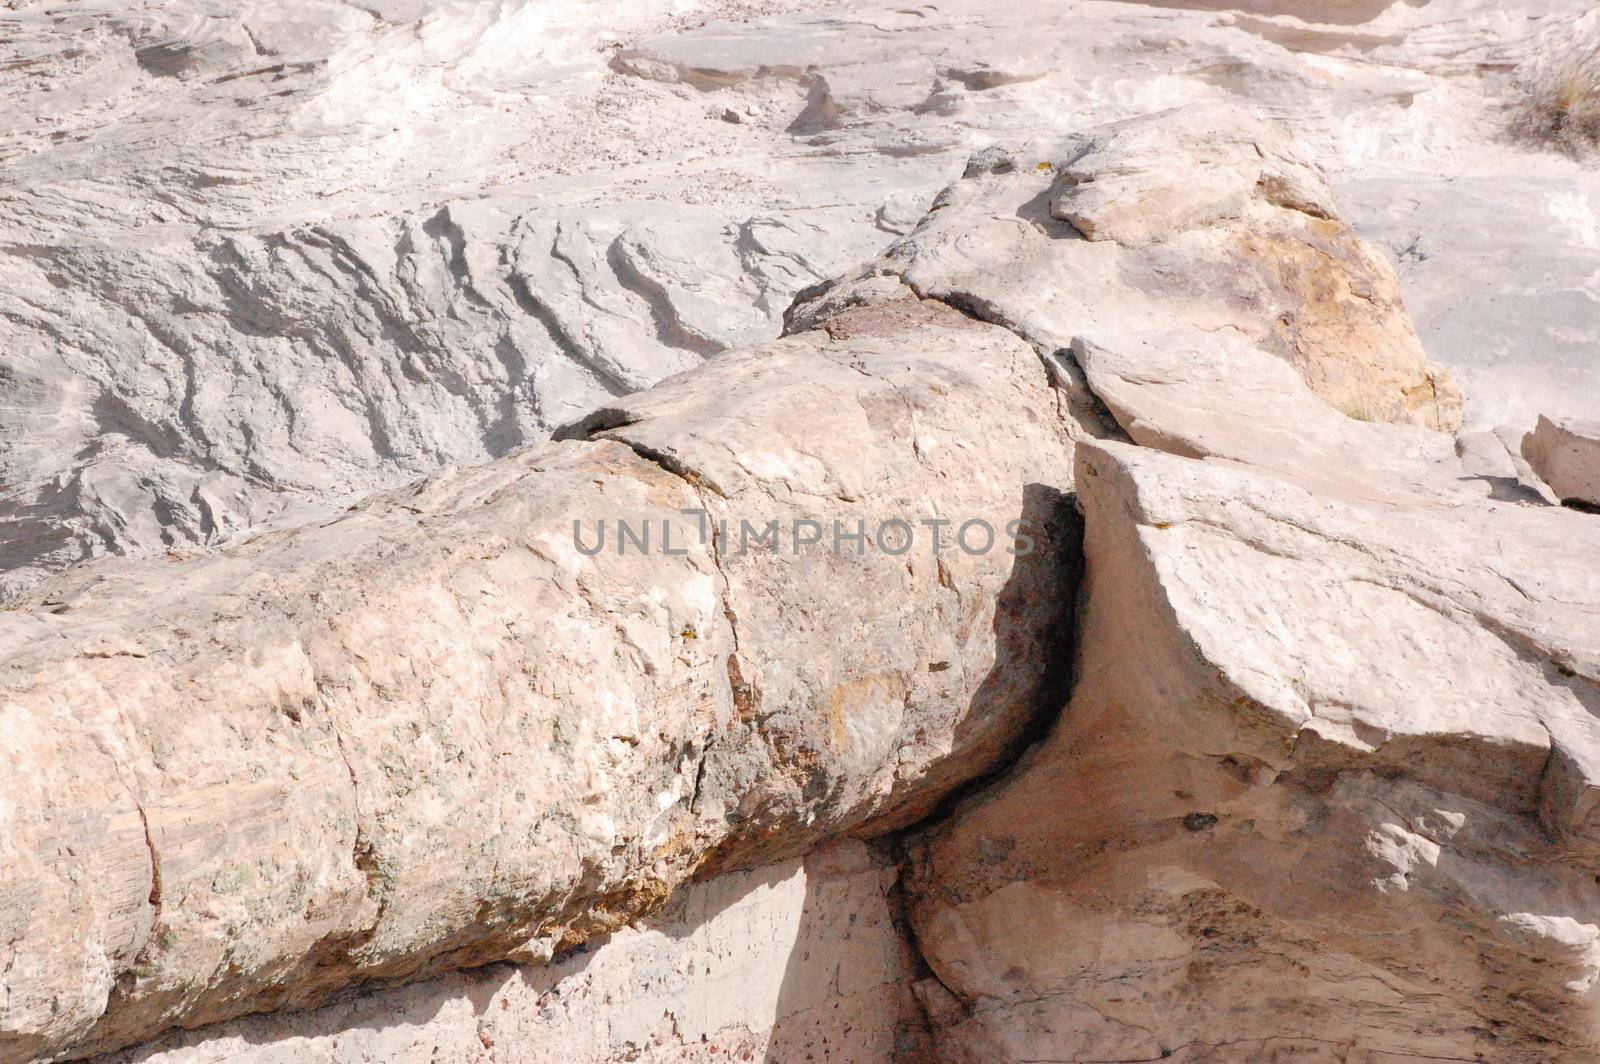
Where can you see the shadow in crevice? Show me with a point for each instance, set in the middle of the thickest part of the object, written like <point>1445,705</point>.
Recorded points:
<point>1016,704</point>
<point>1022,696</point>
<point>814,949</point>
<point>1036,211</point>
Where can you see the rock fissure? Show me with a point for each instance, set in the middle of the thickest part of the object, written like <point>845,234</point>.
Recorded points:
<point>1061,370</point>
<point>1093,765</point>
<point>155,865</point>
<point>362,854</point>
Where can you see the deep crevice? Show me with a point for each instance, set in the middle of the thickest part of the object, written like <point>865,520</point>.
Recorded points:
<point>155,866</point>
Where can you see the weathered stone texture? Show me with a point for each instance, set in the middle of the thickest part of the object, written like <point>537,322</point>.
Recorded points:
<point>1566,454</point>
<point>419,735</point>
<point>1325,785</point>
<point>786,964</point>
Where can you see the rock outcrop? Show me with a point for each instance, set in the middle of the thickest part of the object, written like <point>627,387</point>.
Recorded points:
<point>1325,785</point>
<point>252,276</point>
<point>797,962</point>
<point>512,708</point>
<point>807,590</point>
<point>691,629</point>
<point>1566,455</point>
<point>1199,217</point>
<point>261,260</point>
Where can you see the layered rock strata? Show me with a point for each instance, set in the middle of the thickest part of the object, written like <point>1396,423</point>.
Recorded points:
<point>1324,789</point>
<point>455,725</point>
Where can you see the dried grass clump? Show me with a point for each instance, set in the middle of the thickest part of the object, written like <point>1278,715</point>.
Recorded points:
<point>1560,107</point>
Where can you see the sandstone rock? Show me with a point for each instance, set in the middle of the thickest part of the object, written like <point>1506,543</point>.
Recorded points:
<point>1566,453</point>
<point>417,736</point>
<point>795,962</point>
<point>1206,395</point>
<point>1142,180</point>
<point>1490,457</point>
<point>1323,787</point>
<point>249,275</point>
<point>878,431</point>
<point>259,261</point>
<point>1206,238</point>
<point>1349,774</point>
<point>434,733</point>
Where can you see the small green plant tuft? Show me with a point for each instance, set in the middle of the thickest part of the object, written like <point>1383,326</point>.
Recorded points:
<point>1560,104</point>
<point>1356,410</point>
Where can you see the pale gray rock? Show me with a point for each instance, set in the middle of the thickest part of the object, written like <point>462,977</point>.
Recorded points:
<point>1227,231</point>
<point>1566,454</point>
<point>274,373</point>
<point>261,260</point>
<point>1491,457</point>
<point>1499,271</point>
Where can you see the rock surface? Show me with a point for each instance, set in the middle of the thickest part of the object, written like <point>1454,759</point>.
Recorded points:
<point>796,962</point>
<point>263,259</point>
<point>1325,785</point>
<point>1197,217</point>
<point>1496,457</point>
<point>1204,395</point>
<point>1566,454</point>
<point>452,725</point>
<point>1512,307</point>
<point>435,730</point>
<point>259,260</point>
